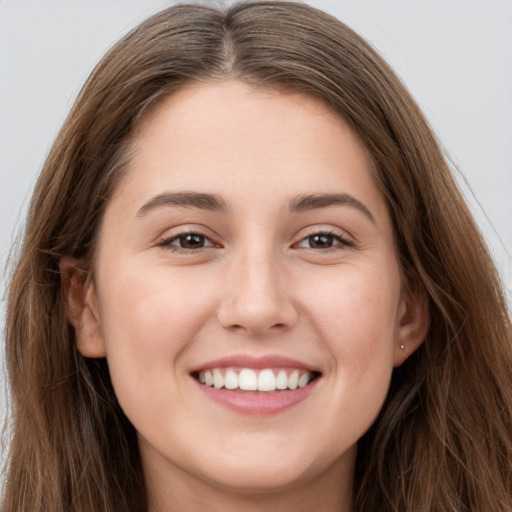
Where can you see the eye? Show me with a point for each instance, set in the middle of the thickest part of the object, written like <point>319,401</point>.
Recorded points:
<point>324,241</point>
<point>187,242</point>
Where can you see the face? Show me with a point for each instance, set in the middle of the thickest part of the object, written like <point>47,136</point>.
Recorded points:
<point>246,290</point>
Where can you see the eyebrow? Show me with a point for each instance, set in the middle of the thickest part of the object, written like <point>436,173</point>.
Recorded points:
<point>311,202</point>
<point>215,203</point>
<point>211,202</point>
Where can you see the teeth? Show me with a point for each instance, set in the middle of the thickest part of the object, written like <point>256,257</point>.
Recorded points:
<point>247,379</point>
<point>282,380</point>
<point>293,380</point>
<point>230,380</point>
<point>303,381</point>
<point>218,379</point>
<point>266,381</point>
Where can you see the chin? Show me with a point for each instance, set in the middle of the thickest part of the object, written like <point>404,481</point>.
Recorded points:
<point>258,478</point>
<point>269,470</point>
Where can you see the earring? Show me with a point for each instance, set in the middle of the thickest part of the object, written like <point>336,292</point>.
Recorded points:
<point>402,347</point>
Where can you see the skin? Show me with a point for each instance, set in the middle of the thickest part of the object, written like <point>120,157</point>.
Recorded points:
<point>258,286</point>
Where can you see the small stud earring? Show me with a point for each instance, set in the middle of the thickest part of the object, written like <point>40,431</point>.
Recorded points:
<point>402,347</point>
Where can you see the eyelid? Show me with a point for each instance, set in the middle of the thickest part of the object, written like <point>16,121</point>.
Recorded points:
<point>164,241</point>
<point>344,240</point>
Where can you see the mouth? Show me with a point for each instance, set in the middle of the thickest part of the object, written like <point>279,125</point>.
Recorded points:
<point>256,381</point>
<point>256,386</point>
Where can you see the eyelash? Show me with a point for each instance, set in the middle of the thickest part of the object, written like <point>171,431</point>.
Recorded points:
<point>166,242</point>
<point>342,242</point>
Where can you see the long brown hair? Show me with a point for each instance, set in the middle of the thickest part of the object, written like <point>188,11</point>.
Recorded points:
<point>443,440</point>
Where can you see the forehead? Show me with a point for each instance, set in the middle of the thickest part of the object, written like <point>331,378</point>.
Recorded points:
<point>231,138</point>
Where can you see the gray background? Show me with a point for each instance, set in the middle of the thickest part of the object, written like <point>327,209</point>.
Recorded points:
<point>454,55</point>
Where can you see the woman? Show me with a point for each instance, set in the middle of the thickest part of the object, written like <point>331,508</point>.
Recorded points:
<point>249,282</point>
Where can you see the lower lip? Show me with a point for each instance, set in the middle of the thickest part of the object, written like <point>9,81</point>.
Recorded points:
<point>257,404</point>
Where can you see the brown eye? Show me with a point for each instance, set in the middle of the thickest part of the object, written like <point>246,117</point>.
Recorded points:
<point>321,241</point>
<point>325,241</point>
<point>187,241</point>
<point>191,241</point>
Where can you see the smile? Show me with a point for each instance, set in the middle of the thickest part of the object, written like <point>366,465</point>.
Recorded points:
<point>260,380</point>
<point>256,385</point>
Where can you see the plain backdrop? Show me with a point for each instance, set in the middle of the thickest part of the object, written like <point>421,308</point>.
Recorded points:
<point>455,56</point>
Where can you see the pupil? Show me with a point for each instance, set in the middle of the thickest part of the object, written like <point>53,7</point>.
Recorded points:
<point>321,241</point>
<point>192,241</point>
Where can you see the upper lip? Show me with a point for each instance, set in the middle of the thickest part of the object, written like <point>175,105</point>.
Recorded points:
<point>259,362</point>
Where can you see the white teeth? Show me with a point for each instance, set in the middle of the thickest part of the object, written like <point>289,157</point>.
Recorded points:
<point>247,380</point>
<point>266,381</point>
<point>218,379</point>
<point>282,380</point>
<point>303,380</point>
<point>230,380</point>
<point>293,380</point>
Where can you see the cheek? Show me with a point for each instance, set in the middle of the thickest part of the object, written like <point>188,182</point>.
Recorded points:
<point>355,316</point>
<point>153,306</point>
<point>357,292</point>
<point>148,319</point>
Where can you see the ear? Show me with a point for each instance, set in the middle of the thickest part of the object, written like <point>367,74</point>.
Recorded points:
<point>81,307</point>
<point>413,320</point>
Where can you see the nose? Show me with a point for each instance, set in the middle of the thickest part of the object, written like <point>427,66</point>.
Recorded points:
<point>258,298</point>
